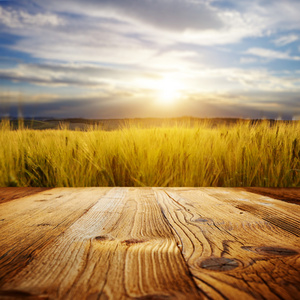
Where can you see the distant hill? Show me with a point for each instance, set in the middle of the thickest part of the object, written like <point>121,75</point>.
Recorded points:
<point>114,124</point>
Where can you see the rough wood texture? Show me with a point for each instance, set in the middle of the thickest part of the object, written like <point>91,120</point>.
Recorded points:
<point>291,195</point>
<point>231,253</point>
<point>11,193</point>
<point>30,224</point>
<point>149,243</point>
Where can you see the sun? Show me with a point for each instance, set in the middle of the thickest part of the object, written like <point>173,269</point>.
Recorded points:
<point>168,90</point>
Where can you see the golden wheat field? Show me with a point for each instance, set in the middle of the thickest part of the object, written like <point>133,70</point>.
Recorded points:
<point>244,154</point>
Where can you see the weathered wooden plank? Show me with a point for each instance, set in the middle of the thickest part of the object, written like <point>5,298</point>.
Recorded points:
<point>231,253</point>
<point>290,195</point>
<point>30,224</point>
<point>11,193</point>
<point>279,213</point>
<point>121,248</point>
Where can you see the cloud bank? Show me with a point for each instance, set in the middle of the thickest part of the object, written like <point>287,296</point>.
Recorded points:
<point>111,53</point>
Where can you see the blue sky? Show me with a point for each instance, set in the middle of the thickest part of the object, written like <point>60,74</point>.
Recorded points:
<point>150,58</point>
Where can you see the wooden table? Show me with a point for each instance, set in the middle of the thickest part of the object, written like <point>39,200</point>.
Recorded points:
<point>149,243</point>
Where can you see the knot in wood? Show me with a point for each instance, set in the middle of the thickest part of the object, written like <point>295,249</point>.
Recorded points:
<point>44,224</point>
<point>271,250</point>
<point>130,242</point>
<point>102,238</point>
<point>219,264</point>
<point>276,251</point>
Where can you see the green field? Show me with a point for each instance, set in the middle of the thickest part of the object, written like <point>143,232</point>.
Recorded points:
<point>201,154</point>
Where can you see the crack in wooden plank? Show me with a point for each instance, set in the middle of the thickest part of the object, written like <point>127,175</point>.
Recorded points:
<point>129,243</point>
<point>249,264</point>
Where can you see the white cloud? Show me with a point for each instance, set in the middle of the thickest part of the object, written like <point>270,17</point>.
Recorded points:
<point>82,48</point>
<point>141,43</point>
<point>145,80</point>
<point>173,60</point>
<point>236,79</point>
<point>273,15</point>
<point>79,75</point>
<point>264,80</point>
<point>168,21</point>
<point>248,60</point>
<point>78,40</point>
<point>173,15</point>
<point>285,14</point>
<point>271,54</point>
<point>97,105</point>
<point>285,40</point>
<point>129,31</point>
<point>18,19</point>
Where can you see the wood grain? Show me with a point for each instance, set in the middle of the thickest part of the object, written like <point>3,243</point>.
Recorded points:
<point>290,195</point>
<point>232,253</point>
<point>31,224</point>
<point>121,248</point>
<point>281,214</point>
<point>11,193</point>
<point>148,243</point>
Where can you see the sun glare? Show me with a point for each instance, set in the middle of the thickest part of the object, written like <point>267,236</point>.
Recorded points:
<point>168,91</point>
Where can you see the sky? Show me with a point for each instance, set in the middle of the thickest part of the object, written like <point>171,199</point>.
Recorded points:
<point>104,59</point>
